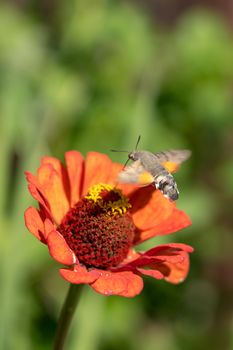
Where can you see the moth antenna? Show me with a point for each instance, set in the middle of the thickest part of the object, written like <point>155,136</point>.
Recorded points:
<point>139,138</point>
<point>116,150</point>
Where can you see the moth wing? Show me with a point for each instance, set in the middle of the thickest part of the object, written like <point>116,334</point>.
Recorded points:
<point>135,173</point>
<point>172,159</point>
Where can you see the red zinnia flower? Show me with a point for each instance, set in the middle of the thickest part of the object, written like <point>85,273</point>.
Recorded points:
<point>91,224</point>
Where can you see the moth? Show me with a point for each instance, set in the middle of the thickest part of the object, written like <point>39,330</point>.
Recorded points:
<point>155,169</point>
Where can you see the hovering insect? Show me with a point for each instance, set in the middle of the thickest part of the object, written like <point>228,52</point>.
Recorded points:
<point>154,169</point>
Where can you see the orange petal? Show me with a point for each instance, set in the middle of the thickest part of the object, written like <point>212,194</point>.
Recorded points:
<point>56,164</point>
<point>75,169</point>
<point>32,179</point>
<point>96,170</point>
<point>59,249</point>
<point>36,191</point>
<point>36,194</point>
<point>124,283</point>
<point>48,227</point>
<point>176,221</point>
<point>54,191</point>
<point>99,169</point>
<point>79,274</point>
<point>61,170</point>
<point>113,172</point>
<point>149,207</point>
<point>177,271</point>
<point>34,223</point>
<point>127,189</point>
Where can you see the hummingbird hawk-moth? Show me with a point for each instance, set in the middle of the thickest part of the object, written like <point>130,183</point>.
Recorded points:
<point>154,169</point>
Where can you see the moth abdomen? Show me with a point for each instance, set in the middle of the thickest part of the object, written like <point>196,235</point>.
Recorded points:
<point>167,185</point>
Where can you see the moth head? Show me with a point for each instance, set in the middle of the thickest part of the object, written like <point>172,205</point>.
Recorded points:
<point>134,155</point>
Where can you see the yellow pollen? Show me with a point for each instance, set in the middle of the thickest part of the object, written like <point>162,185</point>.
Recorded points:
<point>119,206</point>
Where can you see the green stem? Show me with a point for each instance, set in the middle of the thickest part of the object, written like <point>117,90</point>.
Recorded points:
<point>67,312</point>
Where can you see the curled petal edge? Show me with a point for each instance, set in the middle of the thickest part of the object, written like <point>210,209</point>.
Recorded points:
<point>59,250</point>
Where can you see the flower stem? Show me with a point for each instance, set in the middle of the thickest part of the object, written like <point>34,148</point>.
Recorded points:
<point>67,312</point>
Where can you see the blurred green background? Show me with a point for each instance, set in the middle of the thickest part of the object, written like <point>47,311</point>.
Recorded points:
<point>93,75</point>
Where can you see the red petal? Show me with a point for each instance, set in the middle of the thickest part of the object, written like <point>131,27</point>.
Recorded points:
<point>59,249</point>
<point>54,191</point>
<point>124,283</point>
<point>75,168</point>
<point>176,221</point>
<point>165,249</point>
<point>152,273</point>
<point>79,274</point>
<point>149,207</point>
<point>172,260</point>
<point>168,252</point>
<point>34,223</point>
<point>131,256</point>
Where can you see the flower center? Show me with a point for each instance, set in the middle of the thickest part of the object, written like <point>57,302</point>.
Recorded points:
<point>99,228</point>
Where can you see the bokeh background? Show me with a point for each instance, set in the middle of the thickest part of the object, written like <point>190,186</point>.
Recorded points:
<point>93,75</point>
